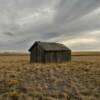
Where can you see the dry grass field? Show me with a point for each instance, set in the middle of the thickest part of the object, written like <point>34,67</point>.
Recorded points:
<point>76,80</point>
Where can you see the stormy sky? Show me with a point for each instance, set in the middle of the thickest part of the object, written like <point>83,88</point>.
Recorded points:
<point>75,23</point>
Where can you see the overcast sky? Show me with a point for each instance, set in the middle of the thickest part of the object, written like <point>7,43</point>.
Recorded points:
<point>76,23</point>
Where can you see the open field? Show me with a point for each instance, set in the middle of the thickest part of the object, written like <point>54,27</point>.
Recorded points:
<point>76,80</point>
<point>85,53</point>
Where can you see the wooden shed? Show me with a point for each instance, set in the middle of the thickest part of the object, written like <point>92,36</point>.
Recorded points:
<point>48,52</point>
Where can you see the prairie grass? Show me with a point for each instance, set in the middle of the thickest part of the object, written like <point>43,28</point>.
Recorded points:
<point>76,80</point>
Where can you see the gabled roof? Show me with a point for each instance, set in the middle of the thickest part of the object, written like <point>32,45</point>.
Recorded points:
<point>51,46</point>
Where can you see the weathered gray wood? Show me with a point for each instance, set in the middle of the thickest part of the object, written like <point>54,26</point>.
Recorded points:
<point>39,55</point>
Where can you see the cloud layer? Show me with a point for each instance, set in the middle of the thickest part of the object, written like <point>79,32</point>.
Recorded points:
<point>76,23</point>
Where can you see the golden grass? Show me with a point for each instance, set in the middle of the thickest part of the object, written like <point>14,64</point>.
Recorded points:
<point>76,80</point>
<point>89,53</point>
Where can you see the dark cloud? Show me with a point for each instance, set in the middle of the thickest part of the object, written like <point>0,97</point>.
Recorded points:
<point>9,34</point>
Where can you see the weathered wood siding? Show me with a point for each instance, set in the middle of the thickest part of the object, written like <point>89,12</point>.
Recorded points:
<point>37,54</point>
<point>58,57</point>
<point>69,55</point>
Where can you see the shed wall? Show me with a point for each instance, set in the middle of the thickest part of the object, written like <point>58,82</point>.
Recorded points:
<point>37,54</point>
<point>58,57</point>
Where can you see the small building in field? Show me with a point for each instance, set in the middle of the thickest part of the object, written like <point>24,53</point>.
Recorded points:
<point>48,52</point>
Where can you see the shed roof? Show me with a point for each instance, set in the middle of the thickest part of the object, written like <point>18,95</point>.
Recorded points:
<point>51,46</point>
